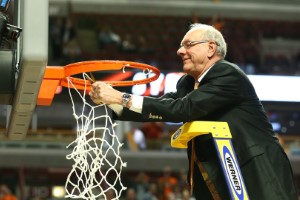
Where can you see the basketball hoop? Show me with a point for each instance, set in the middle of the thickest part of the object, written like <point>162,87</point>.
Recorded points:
<point>94,175</point>
<point>57,76</point>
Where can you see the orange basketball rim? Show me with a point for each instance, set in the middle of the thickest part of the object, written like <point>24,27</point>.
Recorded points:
<point>57,76</point>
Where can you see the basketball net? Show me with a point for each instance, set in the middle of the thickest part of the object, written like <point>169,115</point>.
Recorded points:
<point>96,172</point>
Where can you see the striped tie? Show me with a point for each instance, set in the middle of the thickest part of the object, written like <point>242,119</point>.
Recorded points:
<point>194,160</point>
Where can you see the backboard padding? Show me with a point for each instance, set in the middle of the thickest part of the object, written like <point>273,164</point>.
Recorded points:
<point>33,51</point>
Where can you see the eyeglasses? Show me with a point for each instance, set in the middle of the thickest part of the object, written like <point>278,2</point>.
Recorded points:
<point>190,44</point>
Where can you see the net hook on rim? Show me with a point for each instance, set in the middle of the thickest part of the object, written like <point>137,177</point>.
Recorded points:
<point>147,71</point>
<point>124,66</point>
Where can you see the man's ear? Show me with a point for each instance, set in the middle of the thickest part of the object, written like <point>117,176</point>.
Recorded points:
<point>212,48</point>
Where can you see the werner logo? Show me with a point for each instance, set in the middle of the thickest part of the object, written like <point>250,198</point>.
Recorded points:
<point>232,172</point>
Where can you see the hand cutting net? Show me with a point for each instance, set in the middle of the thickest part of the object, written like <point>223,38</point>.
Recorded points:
<point>96,172</point>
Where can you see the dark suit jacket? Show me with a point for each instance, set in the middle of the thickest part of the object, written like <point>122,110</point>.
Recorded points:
<point>226,94</point>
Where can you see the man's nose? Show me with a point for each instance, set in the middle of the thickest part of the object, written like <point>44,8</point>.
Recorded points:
<point>181,51</point>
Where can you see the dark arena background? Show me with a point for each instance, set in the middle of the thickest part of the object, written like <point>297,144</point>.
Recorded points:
<point>263,39</point>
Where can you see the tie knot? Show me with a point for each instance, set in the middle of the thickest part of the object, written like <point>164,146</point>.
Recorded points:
<point>196,85</point>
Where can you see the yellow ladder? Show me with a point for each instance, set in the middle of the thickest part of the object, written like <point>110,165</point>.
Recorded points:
<point>222,139</point>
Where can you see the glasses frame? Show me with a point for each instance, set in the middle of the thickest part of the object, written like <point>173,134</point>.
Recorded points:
<point>188,45</point>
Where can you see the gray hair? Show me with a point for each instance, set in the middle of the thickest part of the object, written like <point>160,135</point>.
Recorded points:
<point>212,34</point>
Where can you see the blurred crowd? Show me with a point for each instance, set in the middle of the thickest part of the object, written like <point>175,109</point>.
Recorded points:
<point>154,40</point>
<point>6,193</point>
<point>141,185</point>
<point>165,186</point>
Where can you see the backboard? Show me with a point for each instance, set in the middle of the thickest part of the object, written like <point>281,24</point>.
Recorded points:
<point>32,54</point>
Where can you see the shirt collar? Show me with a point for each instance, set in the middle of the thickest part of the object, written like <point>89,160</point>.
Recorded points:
<point>202,76</point>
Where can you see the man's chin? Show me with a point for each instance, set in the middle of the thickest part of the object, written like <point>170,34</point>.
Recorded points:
<point>186,68</point>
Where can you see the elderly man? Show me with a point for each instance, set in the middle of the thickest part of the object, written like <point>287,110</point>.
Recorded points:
<point>214,90</point>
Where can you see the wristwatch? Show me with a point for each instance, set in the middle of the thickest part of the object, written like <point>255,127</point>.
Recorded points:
<point>125,98</point>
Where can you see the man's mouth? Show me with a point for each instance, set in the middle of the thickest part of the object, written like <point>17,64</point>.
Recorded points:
<point>185,59</point>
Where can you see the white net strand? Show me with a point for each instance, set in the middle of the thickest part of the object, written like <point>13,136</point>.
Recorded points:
<point>97,167</point>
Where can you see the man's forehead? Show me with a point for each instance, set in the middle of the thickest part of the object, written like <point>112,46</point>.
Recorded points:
<point>191,34</point>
